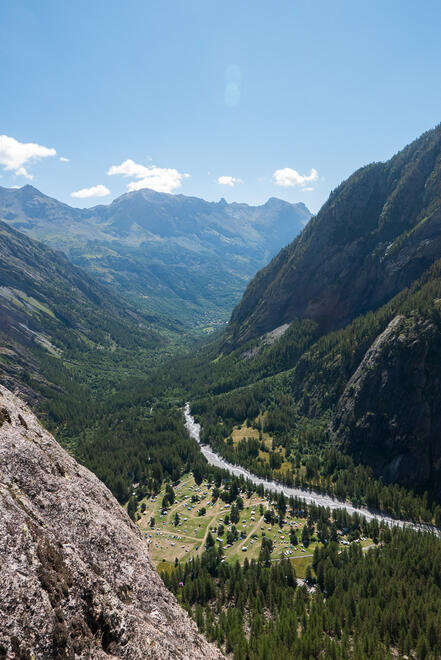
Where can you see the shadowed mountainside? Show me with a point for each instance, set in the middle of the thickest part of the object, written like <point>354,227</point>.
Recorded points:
<point>350,359</point>
<point>377,233</point>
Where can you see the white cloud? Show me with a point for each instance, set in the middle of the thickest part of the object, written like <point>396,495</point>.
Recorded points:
<point>129,168</point>
<point>94,191</point>
<point>14,155</point>
<point>161,179</point>
<point>228,181</point>
<point>62,159</point>
<point>288,177</point>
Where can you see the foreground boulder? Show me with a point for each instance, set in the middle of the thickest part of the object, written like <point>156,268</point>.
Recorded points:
<point>76,579</point>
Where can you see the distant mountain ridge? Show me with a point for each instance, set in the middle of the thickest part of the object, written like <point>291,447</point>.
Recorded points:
<point>377,233</point>
<point>179,257</point>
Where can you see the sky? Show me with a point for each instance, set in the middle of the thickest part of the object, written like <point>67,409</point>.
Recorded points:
<point>240,99</point>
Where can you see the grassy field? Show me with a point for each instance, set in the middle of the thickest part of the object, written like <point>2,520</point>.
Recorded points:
<point>169,541</point>
<point>244,432</point>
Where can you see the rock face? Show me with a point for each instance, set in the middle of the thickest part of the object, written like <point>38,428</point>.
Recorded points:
<point>76,579</point>
<point>377,233</point>
<point>389,415</point>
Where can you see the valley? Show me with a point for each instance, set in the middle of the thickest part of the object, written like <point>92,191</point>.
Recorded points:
<point>220,330</point>
<point>182,261</point>
<point>185,538</point>
<point>273,451</point>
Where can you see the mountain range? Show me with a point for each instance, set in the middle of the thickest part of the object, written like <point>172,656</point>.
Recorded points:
<point>339,321</point>
<point>327,377</point>
<point>182,260</point>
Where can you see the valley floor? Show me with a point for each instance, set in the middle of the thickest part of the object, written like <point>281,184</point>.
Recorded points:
<point>186,537</point>
<point>309,496</point>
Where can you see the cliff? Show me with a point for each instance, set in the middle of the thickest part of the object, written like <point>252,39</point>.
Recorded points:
<point>77,581</point>
<point>389,414</point>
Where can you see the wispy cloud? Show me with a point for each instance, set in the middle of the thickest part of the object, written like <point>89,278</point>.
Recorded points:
<point>228,181</point>
<point>93,191</point>
<point>288,177</point>
<point>62,159</point>
<point>14,155</point>
<point>161,179</point>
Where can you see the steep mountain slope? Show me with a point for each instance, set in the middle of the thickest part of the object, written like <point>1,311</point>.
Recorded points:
<point>389,414</point>
<point>77,581</point>
<point>376,234</point>
<point>354,379</point>
<point>351,411</point>
<point>178,257</point>
<point>53,312</point>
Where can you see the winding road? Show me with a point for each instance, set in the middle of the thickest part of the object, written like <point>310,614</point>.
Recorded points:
<point>309,496</point>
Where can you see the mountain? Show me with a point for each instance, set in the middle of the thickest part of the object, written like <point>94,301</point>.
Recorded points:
<point>334,348</point>
<point>77,581</point>
<point>177,257</point>
<point>54,317</point>
<point>376,234</point>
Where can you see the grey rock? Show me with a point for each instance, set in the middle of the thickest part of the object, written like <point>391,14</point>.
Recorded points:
<point>389,414</point>
<point>76,578</point>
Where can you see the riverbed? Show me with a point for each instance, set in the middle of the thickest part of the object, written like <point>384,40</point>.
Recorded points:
<point>309,496</point>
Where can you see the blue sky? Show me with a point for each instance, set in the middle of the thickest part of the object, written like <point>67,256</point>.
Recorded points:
<point>243,99</point>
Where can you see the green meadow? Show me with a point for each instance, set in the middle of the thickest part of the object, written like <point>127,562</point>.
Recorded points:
<point>180,532</point>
